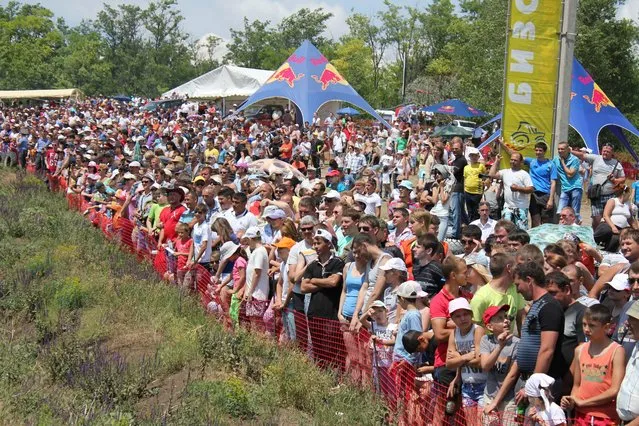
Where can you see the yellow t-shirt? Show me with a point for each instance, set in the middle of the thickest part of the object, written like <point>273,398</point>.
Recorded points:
<point>211,153</point>
<point>472,182</point>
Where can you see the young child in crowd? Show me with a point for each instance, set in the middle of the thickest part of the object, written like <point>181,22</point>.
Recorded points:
<point>183,243</point>
<point>542,411</point>
<point>498,350</point>
<point>283,302</point>
<point>234,253</point>
<point>463,355</point>
<point>411,320</point>
<point>386,182</point>
<point>598,369</point>
<point>382,342</point>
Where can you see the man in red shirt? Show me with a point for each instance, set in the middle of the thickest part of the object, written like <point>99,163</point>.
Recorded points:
<point>454,271</point>
<point>170,215</point>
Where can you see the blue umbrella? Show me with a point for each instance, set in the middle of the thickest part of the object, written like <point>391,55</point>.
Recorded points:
<point>348,110</point>
<point>455,107</point>
<point>122,98</point>
<point>405,110</point>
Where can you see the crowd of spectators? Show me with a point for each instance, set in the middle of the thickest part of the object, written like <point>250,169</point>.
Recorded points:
<point>349,226</point>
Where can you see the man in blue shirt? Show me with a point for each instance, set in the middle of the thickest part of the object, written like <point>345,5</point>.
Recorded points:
<point>543,173</point>
<point>41,147</point>
<point>569,178</point>
<point>23,149</point>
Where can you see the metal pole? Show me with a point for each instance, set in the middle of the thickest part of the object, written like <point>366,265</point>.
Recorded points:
<point>567,47</point>
<point>404,78</point>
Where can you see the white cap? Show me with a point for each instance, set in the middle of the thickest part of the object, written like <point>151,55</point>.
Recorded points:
<point>471,150</point>
<point>323,233</point>
<point>227,250</point>
<point>253,232</point>
<point>92,164</point>
<point>378,304</point>
<point>409,289</point>
<point>274,213</point>
<point>457,304</point>
<point>619,282</point>
<point>394,263</point>
<point>135,164</point>
<point>332,194</point>
<point>129,175</point>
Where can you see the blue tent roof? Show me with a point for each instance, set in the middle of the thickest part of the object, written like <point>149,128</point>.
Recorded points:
<point>308,80</point>
<point>591,110</point>
<point>455,107</point>
<point>348,110</point>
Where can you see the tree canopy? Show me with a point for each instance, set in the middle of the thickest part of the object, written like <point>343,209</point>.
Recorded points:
<point>399,55</point>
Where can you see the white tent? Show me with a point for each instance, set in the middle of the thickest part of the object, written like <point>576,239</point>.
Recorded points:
<point>227,81</point>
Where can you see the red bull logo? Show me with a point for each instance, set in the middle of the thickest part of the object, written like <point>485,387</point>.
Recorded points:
<point>598,98</point>
<point>285,73</point>
<point>319,61</point>
<point>446,108</point>
<point>296,59</point>
<point>473,110</point>
<point>329,76</point>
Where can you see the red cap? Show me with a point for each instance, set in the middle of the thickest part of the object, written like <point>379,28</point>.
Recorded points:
<point>491,311</point>
<point>332,173</point>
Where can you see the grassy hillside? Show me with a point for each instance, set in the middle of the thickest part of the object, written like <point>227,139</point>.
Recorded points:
<point>89,335</point>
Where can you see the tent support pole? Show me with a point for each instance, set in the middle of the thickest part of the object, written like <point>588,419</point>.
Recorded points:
<point>564,83</point>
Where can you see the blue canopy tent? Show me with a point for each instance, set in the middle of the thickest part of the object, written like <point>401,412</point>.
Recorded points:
<point>455,107</point>
<point>348,110</point>
<point>590,112</point>
<point>309,81</point>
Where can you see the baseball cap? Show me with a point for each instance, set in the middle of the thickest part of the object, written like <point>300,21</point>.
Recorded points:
<point>199,179</point>
<point>285,242</point>
<point>323,233</point>
<point>332,173</point>
<point>333,195</point>
<point>129,175</point>
<point>394,263</point>
<point>472,151</point>
<point>227,250</point>
<point>378,304</point>
<point>491,311</point>
<point>92,164</point>
<point>457,304</point>
<point>633,310</point>
<point>406,184</point>
<point>274,212</point>
<point>253,232</point>
<point>619,282</point>
<point>135,164</point>
<point>409,289</point>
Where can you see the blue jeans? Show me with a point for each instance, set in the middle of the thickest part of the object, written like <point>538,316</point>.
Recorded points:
<point>571,198</point>
<point>457,213</point>
<point>473,394</point>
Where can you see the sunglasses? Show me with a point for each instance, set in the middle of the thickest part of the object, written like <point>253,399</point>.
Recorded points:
<point>365,229</point>
<point>307,229</point>
<point>633,280</point>
<point>146,182</point>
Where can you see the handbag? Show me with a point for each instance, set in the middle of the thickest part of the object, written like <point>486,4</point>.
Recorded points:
<point>594,190</point>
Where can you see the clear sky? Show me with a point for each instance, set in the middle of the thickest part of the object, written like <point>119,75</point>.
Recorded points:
<point>217,16</point>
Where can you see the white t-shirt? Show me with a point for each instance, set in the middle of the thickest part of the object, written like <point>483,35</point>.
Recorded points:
<point>515,200</point>
<point>372,202</point>
<point>242,222</point>
<point>258,259</point>
<point>202,233</point>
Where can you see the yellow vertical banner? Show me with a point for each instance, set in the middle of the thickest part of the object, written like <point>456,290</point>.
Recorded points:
<point>532,61</point>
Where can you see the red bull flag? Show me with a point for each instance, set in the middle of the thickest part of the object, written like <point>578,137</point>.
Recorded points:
<point>531,74</point>
<point>591,110</point>
<point>309,81</point>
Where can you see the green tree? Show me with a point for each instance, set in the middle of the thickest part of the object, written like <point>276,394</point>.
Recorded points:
<point>80,62</point>
<point>248,47</point>
<point>363,28</point>
<point>29,40</point>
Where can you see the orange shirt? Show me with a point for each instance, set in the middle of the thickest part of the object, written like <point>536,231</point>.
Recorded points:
<point>596,377</point>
